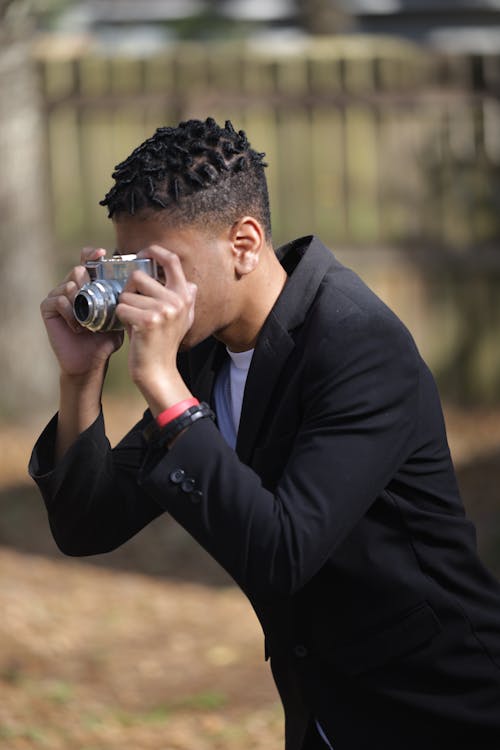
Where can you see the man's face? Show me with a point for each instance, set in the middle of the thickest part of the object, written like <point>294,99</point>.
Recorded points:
<point>206,260</point>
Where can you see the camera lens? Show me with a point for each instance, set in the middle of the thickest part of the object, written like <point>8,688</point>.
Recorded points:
<point>81,308</point>
<point>95,304</point>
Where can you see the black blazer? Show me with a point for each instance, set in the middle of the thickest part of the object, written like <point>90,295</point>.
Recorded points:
<point>338,515</point>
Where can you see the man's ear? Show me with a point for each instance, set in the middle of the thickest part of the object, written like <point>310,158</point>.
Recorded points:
<point>247,241</point>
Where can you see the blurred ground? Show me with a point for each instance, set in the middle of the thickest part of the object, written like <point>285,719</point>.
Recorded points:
<point>152,647</point>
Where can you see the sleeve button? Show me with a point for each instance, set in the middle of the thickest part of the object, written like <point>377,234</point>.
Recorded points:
<point>177,476</point>
<point>300,650</point>
<point>188,485</point>
<point>196,496</point>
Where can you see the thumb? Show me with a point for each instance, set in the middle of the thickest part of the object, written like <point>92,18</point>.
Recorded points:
<point>193,290</point>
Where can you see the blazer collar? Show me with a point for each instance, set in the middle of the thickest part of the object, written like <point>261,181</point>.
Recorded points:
<point>306,260</point>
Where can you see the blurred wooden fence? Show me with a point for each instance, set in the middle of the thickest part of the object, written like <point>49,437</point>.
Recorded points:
<point>367,143</point>
<point>388,152</point>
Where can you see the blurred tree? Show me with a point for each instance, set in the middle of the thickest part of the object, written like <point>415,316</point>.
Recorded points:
<point>25,258</point>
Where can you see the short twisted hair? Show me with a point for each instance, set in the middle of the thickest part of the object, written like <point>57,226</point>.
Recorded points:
<point>198,172</point>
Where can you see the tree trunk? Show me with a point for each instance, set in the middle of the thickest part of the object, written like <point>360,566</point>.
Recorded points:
<point>27,373</point>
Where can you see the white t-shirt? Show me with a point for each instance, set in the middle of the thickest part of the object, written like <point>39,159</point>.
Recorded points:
<point>228,393</point>
<point>238,371</point>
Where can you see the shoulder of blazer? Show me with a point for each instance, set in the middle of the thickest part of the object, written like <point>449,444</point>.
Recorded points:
<point>306,261</point>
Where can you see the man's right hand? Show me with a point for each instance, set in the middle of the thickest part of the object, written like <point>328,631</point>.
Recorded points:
<point>78,351</point>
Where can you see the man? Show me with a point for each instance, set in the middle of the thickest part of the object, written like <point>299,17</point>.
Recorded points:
<point>324,487</point>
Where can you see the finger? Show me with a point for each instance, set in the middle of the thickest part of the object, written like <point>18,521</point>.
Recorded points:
<point>91,253</point>
<point>171,265</point>
<point>141,283</point>
<point>145,319</point>
<point>141,290</point>
<point>78,274</point>
<point>59,306</point>
<point>145,296</point>
<point>71,285</point>
<point>69,288</point>
<point>193,290</point>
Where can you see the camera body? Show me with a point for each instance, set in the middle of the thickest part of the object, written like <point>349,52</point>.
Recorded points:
<point>95,304</point>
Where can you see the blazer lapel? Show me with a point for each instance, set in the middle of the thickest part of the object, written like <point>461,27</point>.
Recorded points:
<point>271,353</point>
<point>275,342</point>
<point>210,361</point>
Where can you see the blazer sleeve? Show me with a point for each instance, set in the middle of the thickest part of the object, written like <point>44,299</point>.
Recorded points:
<point>92,498</point>
<point>359,407</point>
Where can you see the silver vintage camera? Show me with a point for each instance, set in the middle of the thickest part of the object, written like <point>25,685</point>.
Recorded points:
<point>95,304</point>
